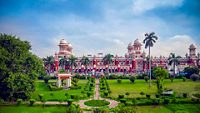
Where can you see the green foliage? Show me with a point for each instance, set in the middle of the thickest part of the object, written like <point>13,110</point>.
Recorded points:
<point>124,109</point>
<point>19,68</point>
<point>194,77</point>
<point>191,70</point>
<point>46,79</point>
<point>69,101</point>
<point>184,79</point>
<point>132,79</point>
<point>119,81</point>
<point>148,96</point>
<point>97,103</point>
<point>185,95</point>
<point>75,81</point>
<point>32,101</point>
<point>72,108</point>
<point>19,101</point>
<point>160,74</point>
<point>41,97</point>
<point>146,78</point>
<point>121,96</point>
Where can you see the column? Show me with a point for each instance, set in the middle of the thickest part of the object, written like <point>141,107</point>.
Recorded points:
<point>59,82</point>
<point>67,82</point>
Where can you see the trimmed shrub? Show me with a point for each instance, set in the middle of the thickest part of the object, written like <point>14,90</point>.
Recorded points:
<point>142,93</point>
<point>148,96</point>
<point>184,79</point>
<point>120,96</point>
<point>185,95</point>
<point>32,101</point>
<point>41,97</point>
<point>19,101</point>
<point>123,101</point>
<point>166,101</point>
<point>194,77</point>
<point>73,96</point>
<point>119,81</point>
<point>146,78</point>
<point>69,101</point>
<point>132,79</point>
<point>127,94</point>
<point>157,95</point>
<point>105,93</point>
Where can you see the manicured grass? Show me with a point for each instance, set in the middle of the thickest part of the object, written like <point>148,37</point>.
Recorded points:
<point>33,109</point>
<point>184,108</point>
<point>97,103</point>
<point>178,86</point>
<point>42,88</point>
<point>152,109</point>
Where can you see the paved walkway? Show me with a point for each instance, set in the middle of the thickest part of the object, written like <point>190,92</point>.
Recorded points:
<point>112,104</point>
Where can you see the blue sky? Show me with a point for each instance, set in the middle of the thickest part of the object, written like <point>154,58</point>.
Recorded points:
<point>108,26</point>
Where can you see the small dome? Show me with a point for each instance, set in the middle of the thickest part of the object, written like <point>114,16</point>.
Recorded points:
<point>136,42</point>
<point>63,41</point>
<point>192,46</point>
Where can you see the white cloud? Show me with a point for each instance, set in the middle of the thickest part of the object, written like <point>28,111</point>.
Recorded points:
<point>141,6</point>
<point>178,44</point>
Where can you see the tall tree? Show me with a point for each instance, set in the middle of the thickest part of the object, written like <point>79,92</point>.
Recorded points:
<point>18,68</point>
<point>160,74</point>
<point>149,40</point>
<point>49,63</point>
<point>85,61</point>
<point>107,60</point>
<point>72,62</point>
<point>173,60</point>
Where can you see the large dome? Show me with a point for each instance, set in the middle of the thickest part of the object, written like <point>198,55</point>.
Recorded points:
<point>192,46</point>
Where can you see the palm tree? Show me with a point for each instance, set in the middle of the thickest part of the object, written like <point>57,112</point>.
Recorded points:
<point>72,61</point>
<point>173,59</point>
<point>48,62</point>
<point>63,62</point>
<point>107,60</point>
<point>85,61</point>
<point>148,41</point>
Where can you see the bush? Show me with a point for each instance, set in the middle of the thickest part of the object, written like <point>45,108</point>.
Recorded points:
<point>19,101</point>
<point>142,93</point>
<point>148,96</point>
<point>166,101</point>
<point>97,103</point>
<point>32,101</point>
<point>184,79</point>
<point>132,79</point>
<point>194,77</point>
<point>105,93</point>
<point>127,94</point>
<point>69,101</point>
<point>119,81</point>
<point>121,96</point>
<point>185,95</point>
<point>157,95</point>
<point>123,101</point>
<point>146,78</point>
<point>40,97</point>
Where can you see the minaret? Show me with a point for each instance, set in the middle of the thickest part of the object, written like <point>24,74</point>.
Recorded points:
<point>56,62</point>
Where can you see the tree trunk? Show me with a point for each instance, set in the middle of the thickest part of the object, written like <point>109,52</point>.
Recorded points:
<point>149,67</point>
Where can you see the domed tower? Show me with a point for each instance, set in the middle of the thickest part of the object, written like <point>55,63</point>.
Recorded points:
<point>134,49</point>
<point>192,51</point>
<point>65,48</point>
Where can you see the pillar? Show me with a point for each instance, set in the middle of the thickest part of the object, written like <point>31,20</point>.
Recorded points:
<point>66,82</point>
<point>59,82</point>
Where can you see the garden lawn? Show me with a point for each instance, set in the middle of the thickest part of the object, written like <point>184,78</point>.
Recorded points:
<point>42,88</point>
<point>33,109</point>
<point>134,89</point>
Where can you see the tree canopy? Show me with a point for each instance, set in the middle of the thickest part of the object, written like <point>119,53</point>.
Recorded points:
<point>18,68</point>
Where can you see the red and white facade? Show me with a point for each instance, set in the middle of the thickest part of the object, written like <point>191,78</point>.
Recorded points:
<point>134,60</point>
